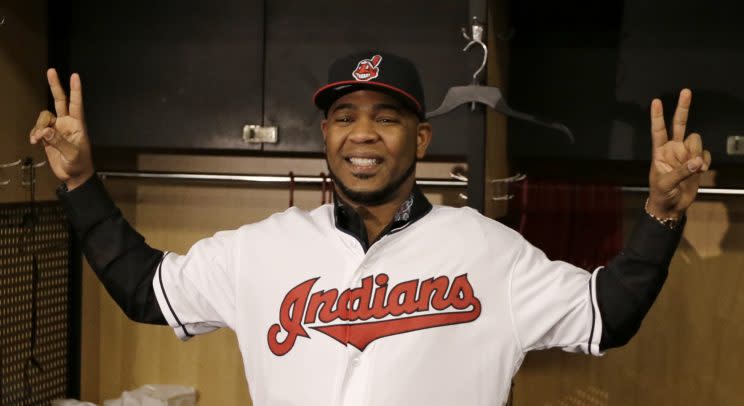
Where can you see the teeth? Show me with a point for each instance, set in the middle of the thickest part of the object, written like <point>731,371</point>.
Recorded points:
<point>363,161</point>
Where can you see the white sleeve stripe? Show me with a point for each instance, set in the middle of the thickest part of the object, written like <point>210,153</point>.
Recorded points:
<point>186,335</point>
<point>594,317</point>
<point>595,336</point>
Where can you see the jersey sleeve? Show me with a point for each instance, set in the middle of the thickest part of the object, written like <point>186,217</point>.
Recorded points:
<point>554,304</point>
<point>196,291</point>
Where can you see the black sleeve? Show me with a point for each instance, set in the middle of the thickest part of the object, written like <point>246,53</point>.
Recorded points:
<point>630,283</point>
<point>118,254</point>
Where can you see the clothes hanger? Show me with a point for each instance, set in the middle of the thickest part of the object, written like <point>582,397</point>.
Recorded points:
<point>488,95</point>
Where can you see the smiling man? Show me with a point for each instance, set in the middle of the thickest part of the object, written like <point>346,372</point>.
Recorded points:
<point>380,298</point>
<point>374,133</point>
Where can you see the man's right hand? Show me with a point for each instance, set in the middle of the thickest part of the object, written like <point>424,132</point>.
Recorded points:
<point>64,137</point>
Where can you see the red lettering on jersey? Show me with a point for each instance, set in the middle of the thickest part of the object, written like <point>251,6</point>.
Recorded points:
<point>373,301</point>
<point>290,317</point>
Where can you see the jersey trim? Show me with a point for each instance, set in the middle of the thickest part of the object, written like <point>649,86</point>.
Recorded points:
<point>595,336</point>
<point>512,317</point>
<point>173,321</point>
<point>410,211</point>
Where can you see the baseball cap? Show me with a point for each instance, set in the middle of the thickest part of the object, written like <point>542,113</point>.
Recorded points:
<point>375,70</point>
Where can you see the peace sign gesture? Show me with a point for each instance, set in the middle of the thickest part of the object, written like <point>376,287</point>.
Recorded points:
<point>64,136</point>
<point>676,163</point>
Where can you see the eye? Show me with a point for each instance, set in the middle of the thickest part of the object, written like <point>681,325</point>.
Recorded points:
<point>387,120</point>
<point>344,119</point>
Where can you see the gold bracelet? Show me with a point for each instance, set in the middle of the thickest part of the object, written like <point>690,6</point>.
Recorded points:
<point>669,222</point>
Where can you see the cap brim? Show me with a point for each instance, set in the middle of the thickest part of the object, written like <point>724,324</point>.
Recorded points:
<point>326,95</point>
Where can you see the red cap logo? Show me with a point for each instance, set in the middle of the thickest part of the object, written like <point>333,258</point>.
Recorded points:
<point>367,69</point>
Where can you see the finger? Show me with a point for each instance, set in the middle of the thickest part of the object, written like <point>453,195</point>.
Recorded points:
<point>694,144</point>
<point>680,115</point>
<point>669,181</point>
<point>707,160</point>
<point>60,99</point>
<point>37,134</point>
<point>45,119</point>
<point>76,96</point>
<point>658,128</point>
<point>681,154</point>
<point>67,149</point>
<point>674,154</point>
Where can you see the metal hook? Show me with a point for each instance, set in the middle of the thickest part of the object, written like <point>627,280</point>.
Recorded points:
<point>516,178</point>
<point>463,196</point>
<point>511,179</point>
<point>476,38</point>
<point>459,173</point>
<point>8,165</point>
<point>16,163</point>
<point>28,168</point>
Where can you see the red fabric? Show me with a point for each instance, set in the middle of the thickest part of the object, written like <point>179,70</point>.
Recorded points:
<point>577,223</point>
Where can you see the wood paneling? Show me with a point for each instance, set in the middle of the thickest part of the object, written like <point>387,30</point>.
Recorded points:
<point>688,350</point>
<point>23,94</point>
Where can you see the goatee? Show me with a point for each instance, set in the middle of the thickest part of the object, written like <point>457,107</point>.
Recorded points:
<point>375,197</point>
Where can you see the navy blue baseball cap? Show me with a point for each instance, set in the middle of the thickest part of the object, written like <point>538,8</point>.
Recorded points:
<point>374,70</point>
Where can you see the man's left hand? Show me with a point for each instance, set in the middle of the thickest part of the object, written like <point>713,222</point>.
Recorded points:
<point>676,163</point>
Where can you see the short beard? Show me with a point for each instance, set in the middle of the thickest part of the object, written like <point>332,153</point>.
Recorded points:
<point>376,197</point>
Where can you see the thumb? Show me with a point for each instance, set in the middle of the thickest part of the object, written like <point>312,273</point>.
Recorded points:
<point>670,180</point>
<point>53,139</point>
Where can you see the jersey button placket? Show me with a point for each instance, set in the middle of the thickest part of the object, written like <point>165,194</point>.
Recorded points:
<point>353,392</point>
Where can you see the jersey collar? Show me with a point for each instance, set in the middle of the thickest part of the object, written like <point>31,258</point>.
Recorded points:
<point>410,211</point>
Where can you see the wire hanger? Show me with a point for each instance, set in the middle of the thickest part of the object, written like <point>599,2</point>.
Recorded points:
<point>488,95</point>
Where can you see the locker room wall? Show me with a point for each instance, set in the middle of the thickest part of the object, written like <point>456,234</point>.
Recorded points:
<point>688,350</point>
<point>23,93</point>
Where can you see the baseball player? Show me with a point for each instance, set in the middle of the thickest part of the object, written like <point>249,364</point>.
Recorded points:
<point>380,298</point>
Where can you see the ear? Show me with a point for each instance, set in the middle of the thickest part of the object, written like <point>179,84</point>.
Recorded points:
<point>324,129</point>
<point>423,138</point>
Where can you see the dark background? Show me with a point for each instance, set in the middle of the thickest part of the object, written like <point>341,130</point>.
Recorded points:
<point>596,66</point>
<point>186,76</point>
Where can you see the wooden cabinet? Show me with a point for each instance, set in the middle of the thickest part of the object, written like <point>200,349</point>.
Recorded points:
<point>182,75</point>
<point>303,38</point>
<point>189,75</point>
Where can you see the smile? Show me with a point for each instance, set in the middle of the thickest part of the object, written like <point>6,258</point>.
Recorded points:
<point>363,162</point>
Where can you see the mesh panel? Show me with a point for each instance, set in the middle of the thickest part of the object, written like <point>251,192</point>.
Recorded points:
<point>34,279</point>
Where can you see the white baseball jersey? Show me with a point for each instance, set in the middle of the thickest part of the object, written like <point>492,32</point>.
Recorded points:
<point>440,312</point>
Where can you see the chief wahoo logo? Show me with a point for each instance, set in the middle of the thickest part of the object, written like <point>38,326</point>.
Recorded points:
<point>368,69</point>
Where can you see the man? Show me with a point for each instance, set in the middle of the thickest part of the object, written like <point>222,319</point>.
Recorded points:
<point>380,298</point>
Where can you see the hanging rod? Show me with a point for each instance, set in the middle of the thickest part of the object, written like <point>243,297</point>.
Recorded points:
<point>701,191</point>
<point>260,179</point>
<point>285,179</point>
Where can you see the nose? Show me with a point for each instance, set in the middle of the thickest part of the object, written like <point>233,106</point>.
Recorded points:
<point>363,131</point>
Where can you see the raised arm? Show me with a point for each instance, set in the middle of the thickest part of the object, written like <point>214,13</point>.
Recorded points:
<point>628,286</point>
<point>124,263</point>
